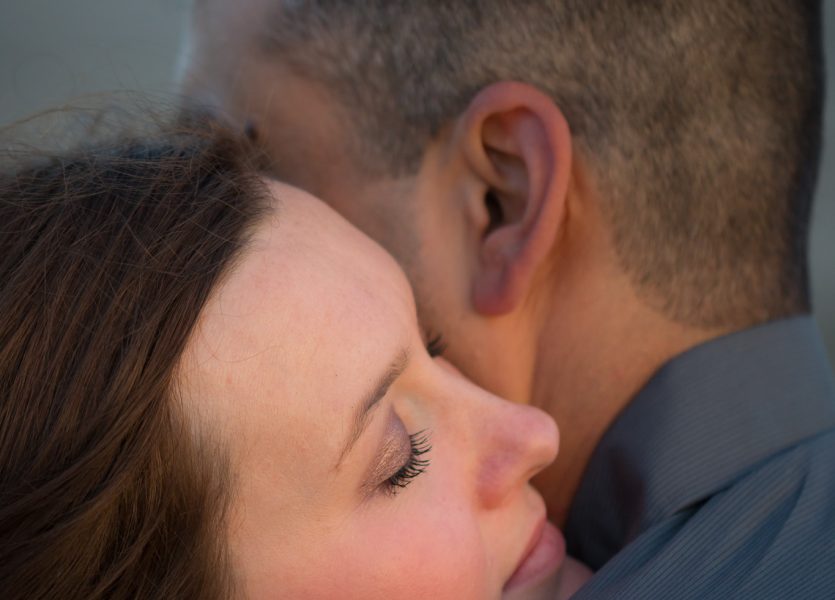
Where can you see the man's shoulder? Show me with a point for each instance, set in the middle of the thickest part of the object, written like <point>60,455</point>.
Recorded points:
<point>770,534</point>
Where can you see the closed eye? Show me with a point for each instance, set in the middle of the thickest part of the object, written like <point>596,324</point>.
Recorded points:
<point>415,465</point>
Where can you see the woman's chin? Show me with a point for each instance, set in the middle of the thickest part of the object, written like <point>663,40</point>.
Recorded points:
<point>560,585</point>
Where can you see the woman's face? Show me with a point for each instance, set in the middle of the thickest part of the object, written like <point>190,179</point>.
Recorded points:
<point>363,468</point>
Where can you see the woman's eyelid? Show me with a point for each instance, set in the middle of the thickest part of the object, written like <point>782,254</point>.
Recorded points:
<point>393,451</point>
<point>395,462</point>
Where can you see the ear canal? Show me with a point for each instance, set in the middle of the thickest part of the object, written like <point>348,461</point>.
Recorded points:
<point>495,212</point>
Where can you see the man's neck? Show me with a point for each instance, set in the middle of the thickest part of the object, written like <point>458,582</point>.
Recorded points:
<point>589,368</point>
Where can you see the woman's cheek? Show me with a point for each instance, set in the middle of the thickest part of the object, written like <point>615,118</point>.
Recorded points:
<point>432,553</point>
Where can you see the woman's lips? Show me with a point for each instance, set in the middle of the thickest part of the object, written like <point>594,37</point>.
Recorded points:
<point>544,554</point>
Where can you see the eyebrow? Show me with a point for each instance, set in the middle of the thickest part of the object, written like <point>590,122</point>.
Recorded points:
<point>371,400</point>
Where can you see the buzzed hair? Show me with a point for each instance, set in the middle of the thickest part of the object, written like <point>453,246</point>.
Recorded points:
<point>701,120</point>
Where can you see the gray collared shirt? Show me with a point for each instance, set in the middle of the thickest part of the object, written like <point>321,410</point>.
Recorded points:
<point>718,479</point>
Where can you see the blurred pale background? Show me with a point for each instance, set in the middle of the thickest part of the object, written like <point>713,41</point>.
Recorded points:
<point>54,51</point>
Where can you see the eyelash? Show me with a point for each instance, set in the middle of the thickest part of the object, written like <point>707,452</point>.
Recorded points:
<point>414,466</point>
<point>435,346</point>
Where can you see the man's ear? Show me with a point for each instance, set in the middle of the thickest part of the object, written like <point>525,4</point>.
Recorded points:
<point>516,142</point>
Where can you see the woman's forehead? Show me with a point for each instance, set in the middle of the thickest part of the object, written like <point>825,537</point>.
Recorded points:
<point>287,343</point>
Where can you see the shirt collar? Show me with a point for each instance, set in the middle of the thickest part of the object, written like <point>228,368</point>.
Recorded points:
<point>705,418</point>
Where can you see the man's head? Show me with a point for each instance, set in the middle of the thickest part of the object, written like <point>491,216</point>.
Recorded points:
<point>576,188</point>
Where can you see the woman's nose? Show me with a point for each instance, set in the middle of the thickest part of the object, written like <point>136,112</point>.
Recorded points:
<point>517,442</point>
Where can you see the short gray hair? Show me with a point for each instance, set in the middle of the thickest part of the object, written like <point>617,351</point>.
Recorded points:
<point>701,120</point>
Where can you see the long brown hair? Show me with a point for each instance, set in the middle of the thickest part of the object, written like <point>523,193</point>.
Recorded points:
<point>107,256</point>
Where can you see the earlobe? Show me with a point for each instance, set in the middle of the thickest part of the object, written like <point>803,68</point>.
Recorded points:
<point>518,144</point>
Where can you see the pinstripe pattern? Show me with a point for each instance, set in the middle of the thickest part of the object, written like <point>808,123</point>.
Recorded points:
<point>718,480</point>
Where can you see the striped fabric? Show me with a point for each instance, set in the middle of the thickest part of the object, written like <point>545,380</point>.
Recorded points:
<point>718,480</point>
